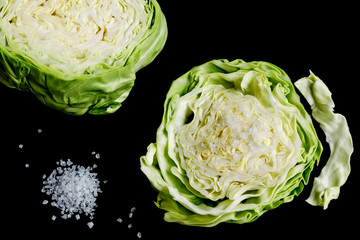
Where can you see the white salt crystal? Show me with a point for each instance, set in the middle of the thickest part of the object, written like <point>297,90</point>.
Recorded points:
<point>119,220</point>
<point>90,224</point>
<point>53,217</point>
<point>27,165</point>
<point>39,130</point>
<point>69,162</point>
<point>93,153</point>
<point>97,156</point>
<point>131,215</point>
<point>139,235</point>
<point>21,146</point>
<point>77,216</point>
<point>133,209</point>
<point>130,225</point>
<point>45,202</point>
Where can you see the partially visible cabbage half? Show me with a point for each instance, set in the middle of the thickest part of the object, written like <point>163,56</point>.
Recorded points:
<point>78,56</point>
<point>235,142</point>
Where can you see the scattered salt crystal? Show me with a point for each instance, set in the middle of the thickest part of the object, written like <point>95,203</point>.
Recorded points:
<point>139,235</point>
<point>130,225</point>
<point>39,130</point>
<point>59,170</point>
<point>77,216</point>
<point>69,162</point>
<point>97,156</point>
<point>132,210</point>
<point>105,181</point>
<point>93,153</point>
<point>45,202</point>
<point>119,220</point>
<point>90,224</point>
<point>44,176</point>
<point>53,217</point>
<point>21,146</point>
<point>27,165</point>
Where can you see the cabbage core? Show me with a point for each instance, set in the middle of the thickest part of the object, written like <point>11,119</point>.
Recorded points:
<point>71,35</point>
<point>234,144</point>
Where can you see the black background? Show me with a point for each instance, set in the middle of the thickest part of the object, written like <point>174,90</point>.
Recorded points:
<point>297,36</point>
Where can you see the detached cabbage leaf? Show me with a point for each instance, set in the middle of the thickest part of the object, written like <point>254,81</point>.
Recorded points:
<point>337,169</point>
<point>78,56</point>
<point>234,142</point>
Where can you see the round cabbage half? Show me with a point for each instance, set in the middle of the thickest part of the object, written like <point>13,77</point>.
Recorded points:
<point>234,142</point>
<point>78,56</point>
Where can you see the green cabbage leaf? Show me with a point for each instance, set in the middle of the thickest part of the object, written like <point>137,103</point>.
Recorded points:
<point>234,142</point>
<point>78,56</point>
<point>337,169</point>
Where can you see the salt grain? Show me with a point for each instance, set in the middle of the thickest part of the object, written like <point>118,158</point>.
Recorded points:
<point>39,130</point>
<point>97,156</point>
<point>53,217</point>
<point>69,162</point>
<point>119,220</point>
<point>27,165</point>
<point>45,202</point>
<point>139,235</point>
<point>90,224</point>
<point>21,146</point>
<point>130,225</point>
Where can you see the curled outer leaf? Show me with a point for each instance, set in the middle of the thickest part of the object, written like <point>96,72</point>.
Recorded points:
<point>337,169</point>
<point>78,56</point>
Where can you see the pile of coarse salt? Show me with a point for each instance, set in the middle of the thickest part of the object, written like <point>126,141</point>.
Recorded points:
<point>73,190</point>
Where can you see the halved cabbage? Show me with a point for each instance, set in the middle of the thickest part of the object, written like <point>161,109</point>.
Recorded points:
<point>235,142</point>
<point>78,56</point>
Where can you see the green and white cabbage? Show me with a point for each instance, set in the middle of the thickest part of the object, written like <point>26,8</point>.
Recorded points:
<point>78,56</point>
<point>235,142</point>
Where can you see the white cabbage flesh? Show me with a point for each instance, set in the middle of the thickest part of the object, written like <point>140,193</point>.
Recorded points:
<point>234,144</point>
<point>71,35</point>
